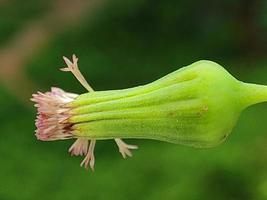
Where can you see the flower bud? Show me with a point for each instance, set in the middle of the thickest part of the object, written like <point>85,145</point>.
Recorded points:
<point>197,106</point>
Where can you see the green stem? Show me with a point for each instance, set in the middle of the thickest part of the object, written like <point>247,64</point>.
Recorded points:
<point>253,94</point>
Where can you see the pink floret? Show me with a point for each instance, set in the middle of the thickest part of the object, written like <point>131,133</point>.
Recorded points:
<point>51,121</point>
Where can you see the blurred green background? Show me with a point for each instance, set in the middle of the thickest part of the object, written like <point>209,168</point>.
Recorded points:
<point>122,44</point>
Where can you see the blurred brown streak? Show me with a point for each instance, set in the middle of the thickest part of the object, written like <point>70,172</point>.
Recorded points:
<point>32,38</point>
<point>2,1</point>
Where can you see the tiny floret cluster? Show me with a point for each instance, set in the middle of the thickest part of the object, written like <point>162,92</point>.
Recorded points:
<point>52,115</point>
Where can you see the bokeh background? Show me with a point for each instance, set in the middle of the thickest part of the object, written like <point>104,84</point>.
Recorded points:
<point>122,44</point>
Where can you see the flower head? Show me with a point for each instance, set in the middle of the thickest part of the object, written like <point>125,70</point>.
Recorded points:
<point>184,107</point>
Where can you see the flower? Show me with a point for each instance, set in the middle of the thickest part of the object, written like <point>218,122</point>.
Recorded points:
<point>184,107</point>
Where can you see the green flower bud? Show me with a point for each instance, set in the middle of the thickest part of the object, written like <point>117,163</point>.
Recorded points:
<point>197,105</point>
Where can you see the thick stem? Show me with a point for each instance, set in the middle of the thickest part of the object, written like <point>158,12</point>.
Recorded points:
<point>253,94</point>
